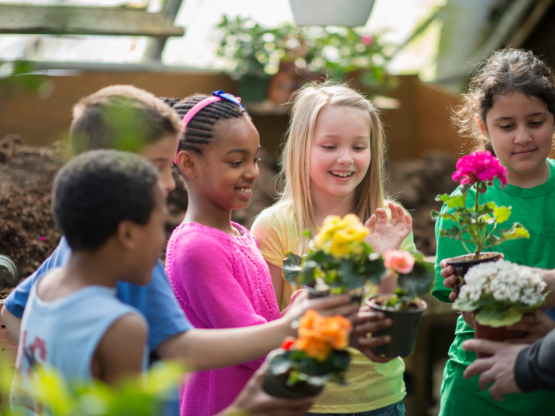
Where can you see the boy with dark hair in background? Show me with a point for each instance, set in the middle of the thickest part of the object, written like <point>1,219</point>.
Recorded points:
<point>110,207</point>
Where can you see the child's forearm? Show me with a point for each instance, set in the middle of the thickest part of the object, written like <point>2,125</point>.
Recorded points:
<point>201,349</point>
<point>12,322</point>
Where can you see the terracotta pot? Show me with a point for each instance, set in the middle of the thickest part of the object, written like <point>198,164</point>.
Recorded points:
<point>275,386</point>
<point>490,333</point>
<point>403,331</point>
<point>8,354</point>
<point>461,264</point>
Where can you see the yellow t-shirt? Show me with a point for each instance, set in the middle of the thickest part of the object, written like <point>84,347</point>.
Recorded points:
<point>370,385</point>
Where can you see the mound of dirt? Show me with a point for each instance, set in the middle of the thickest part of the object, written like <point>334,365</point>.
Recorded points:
<point>28,233</point>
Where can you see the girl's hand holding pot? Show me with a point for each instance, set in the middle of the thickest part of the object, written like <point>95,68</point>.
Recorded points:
<point>450,280</point>
<point>369,322</point>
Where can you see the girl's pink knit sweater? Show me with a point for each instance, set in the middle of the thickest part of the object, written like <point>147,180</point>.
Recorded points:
<point>220,281</point>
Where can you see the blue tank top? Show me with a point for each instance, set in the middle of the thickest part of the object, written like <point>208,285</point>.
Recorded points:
<point>63,335</point>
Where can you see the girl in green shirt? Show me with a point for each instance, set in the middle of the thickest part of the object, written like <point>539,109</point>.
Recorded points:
<point>509,109</point>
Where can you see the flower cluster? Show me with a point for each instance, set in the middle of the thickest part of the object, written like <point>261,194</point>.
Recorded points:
<point>399,260</point>
<point>502,291</point>
<point>480,167</point>
<point>341,237</point>
<point>318,335</point>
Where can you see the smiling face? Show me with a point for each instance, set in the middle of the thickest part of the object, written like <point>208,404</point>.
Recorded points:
<point>228,167</point>
<point>340,153</point>
<point>520,128</point>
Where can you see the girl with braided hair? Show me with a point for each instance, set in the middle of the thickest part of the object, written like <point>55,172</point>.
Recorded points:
<point>214,265</point>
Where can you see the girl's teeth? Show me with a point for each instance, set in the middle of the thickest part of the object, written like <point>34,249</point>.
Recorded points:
<point>342,174</point>
<point>245,190</point>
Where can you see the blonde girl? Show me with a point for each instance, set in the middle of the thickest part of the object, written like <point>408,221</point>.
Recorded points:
<point>332,165</point>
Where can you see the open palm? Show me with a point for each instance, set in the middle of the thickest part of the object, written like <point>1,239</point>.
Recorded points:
<point>388,235</point>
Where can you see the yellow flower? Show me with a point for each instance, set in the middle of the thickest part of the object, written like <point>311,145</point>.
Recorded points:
<point>318,335</point>
<point>341,237</point>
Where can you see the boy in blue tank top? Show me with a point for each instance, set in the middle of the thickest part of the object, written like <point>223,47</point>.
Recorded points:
<point>73,321</point>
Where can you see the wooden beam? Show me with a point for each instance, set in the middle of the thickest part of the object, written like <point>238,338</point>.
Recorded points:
<point>70,20</point>
<point>534,18</point>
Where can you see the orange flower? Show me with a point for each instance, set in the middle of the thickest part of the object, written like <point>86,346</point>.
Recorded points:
<point>318,335</point>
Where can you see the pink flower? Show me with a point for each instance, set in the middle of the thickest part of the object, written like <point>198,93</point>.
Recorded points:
<point>41,238</point>
<point>398,260</point>
<point>367,40</point>
<point>480,167</point>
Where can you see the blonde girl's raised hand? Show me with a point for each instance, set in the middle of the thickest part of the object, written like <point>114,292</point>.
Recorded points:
<point>388,235</point>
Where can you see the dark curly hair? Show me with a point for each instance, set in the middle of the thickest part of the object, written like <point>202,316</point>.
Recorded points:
<point>98,190</point>
<point>505,72</point>
<point>199,129</point>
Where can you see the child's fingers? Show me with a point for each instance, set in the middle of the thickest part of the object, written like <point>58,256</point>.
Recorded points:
<point>394,213</point>
<point>382,216</point>
<point>446,270</point>
<point>408,223</point>
<point>371,327</point>
<point>371,222</point>
<point>374,341</point>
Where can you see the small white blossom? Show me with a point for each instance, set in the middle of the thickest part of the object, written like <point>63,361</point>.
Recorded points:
<point>503,281</point>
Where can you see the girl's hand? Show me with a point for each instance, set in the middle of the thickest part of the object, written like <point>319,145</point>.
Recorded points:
<point>388,235</point>
<point>537,325</point>
<point>368,323</point>
<point>328,306</point>
<point>253,400</point>
<point>450,280</point>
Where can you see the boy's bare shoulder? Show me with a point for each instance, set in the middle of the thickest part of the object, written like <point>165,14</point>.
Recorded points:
<point>121,349</point>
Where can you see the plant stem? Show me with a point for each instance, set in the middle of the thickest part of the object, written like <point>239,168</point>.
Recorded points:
<point>476,206</point>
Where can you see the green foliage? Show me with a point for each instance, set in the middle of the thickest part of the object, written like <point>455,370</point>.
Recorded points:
<point>412,285</point>
<point>303,368</point>
<point>476,225</point>
<point>496,316</point>
<point>141,396</point>
<point>20,75</point>
<point>333,52</point>
<point>340,275</point>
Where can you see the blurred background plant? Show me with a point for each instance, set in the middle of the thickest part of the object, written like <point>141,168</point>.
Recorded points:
<point>253,54</point>
<point>19,75</point>
<point>142,396</point>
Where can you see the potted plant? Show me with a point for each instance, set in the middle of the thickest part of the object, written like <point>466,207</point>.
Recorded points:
<point>339,260</point>
<point>404,306</point>
<point>331,12</point>
<point>249,60</point>
<point>302,366</point>
<point>498,294</point>
<point>476,223</point>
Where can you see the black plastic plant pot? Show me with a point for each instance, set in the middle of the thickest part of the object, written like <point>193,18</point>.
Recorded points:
<point>404,329</point>
<point>276,386</point>
<point>461,264</point>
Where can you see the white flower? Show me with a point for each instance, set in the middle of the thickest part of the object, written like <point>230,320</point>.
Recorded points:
<point>503,281</point>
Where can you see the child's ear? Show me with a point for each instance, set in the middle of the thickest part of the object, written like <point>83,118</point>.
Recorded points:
<point>482,126</point>
<point>126,234</point>
<point>188,163</point>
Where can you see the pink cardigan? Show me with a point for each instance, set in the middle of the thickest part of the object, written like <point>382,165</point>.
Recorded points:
<point>220,281</point>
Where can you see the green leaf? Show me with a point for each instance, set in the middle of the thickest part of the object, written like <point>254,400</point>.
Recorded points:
<point>307,273</point>
<point>418,282</point>
<point>495,316</point>
<point>516,232</point>
<point>292,267</point>
<point>454,232</point>
<point>453,201</point>
<point>447,216</point>
<point>501,214</point>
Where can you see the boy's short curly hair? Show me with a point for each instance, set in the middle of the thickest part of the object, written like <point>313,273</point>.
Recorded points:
<point>98,190</point>
<point>121,117</point>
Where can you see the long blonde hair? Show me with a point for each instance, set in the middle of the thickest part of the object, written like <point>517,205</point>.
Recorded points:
<point>307,104</point>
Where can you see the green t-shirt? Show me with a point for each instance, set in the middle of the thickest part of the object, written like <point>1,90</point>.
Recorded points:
<point>535,209</point>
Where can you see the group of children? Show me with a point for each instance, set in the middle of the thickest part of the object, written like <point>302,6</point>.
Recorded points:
<point>103,306</point>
